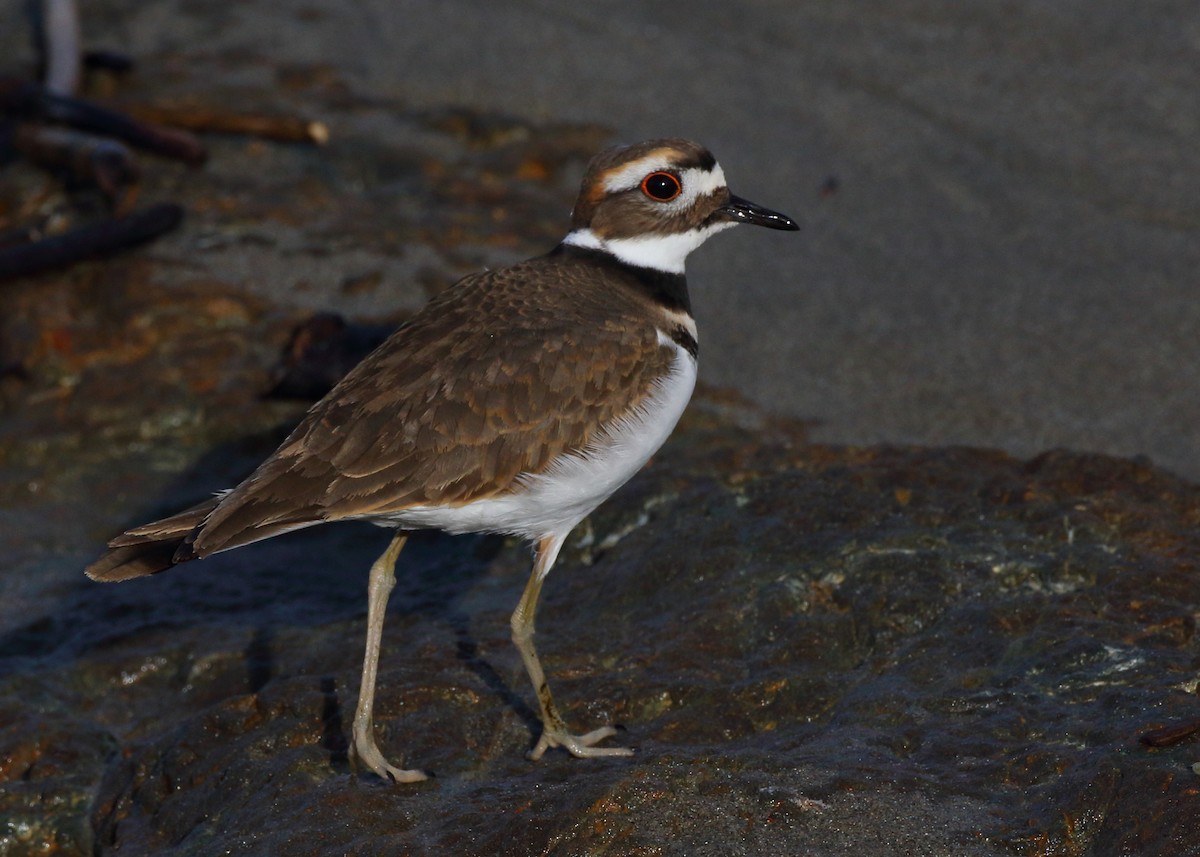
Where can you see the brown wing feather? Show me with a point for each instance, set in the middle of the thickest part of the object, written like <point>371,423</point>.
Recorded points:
<point>150,548</point>
<point>495,378</point>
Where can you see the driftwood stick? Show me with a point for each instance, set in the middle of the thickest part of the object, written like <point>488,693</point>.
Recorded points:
<point>218,120</point>
<point>1168,736</point>
<point>107,236</point>
<point>85,157</point>
<point>31,101</point>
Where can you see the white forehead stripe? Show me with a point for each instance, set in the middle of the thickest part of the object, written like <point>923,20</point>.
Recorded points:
<point>631,174</point>
<point>698,182</point>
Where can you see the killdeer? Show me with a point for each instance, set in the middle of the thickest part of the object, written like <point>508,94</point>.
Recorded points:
<point>515,402</point>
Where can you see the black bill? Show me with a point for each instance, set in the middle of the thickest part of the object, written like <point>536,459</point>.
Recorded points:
<point>744,211</point>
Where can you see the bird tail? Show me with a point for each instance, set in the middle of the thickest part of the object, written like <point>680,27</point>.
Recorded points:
<point>150,548</point>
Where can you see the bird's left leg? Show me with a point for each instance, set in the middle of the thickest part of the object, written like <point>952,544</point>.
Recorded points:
<point>554,730</point>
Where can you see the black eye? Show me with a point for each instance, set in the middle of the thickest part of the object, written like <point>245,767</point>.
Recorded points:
<point>663,187</point>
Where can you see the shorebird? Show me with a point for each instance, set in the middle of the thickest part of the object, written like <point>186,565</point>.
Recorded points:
<point>515,402</point>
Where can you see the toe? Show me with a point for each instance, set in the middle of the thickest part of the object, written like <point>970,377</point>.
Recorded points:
<point>368,753</point>
<point>399,775</point>
<point>579,746</point>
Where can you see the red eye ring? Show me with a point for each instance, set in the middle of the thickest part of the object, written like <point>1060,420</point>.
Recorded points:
<point>661,186</point>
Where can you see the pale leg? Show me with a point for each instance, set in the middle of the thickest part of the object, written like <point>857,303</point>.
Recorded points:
<point>383,578</point>
<point>554,730</point>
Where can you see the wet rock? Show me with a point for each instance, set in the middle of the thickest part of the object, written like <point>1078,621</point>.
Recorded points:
<point>50,763</point>
<point>814,650</point>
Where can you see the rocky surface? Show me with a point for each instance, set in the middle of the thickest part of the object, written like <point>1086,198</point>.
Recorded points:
<point>815,649</point>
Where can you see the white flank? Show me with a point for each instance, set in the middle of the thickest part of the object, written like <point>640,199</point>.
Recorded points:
<point>553,502</point>
<point>661,252</point>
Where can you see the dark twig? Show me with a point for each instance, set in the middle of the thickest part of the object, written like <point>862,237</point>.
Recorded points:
<point>104,162</point>
<point>107,60</point>
<point>30,101</point>
<point>92,240</point>
<point>1167,736</point>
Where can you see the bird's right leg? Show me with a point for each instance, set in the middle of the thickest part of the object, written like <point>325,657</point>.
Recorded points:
<point>383,579</point>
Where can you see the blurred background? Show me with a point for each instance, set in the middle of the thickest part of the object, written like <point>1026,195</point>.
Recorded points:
<point>999,202</point>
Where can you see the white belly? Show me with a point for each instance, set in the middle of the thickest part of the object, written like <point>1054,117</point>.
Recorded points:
<point>553,502</point>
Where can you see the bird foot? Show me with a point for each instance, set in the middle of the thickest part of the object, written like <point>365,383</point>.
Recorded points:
<point>368,753</point>
<point>580,746</point>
